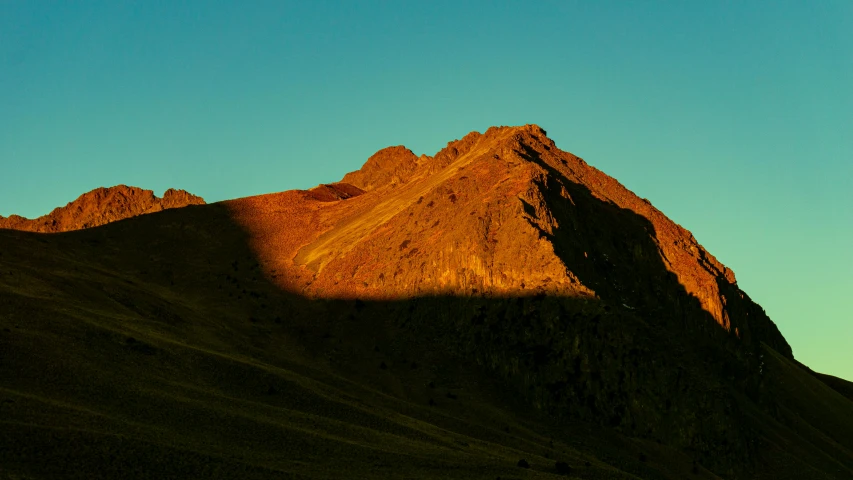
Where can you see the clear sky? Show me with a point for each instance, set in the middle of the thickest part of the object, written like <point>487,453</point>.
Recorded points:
<point>735,118</point>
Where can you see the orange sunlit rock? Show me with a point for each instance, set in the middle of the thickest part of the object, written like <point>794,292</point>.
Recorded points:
<point>102,206</point>
<point>500,213</point>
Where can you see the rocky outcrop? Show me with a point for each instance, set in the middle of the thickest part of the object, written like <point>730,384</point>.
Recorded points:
<point>102,206</point>
<point>387,166</point>
<point>501,213</point>
<point>334,191</point>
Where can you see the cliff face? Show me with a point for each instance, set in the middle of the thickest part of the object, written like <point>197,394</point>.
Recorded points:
<point>102,206</point>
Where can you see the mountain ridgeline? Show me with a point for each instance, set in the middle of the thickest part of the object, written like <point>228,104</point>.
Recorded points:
<point>427,316</point>
<point>102,206</point>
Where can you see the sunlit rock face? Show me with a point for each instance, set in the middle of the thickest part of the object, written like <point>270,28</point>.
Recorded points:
<point>102,206</point>
<point>502,213</point>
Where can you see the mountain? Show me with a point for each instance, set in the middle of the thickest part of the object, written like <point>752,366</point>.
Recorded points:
<point>102,206</point>
<point>439,316</point>
<point>496,214</point>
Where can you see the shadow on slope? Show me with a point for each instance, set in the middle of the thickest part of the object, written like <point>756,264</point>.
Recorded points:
<point>156,347</point>
<point>844,387</point>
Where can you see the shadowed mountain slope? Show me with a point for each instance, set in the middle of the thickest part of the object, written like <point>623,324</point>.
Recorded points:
<point>427,317</point>
<point>102,206</point>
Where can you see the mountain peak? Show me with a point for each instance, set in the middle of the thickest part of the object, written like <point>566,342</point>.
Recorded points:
<point>396,165</point>
<point>389,165</point>
<point>101,206</point>
<point>499,213</point>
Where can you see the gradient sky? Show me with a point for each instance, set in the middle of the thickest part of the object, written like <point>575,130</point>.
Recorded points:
<point>735,118</point>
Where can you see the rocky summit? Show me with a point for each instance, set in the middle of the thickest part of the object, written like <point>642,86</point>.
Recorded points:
<point>496,214</point>
<point>102,206</point>
<point>501,309</point>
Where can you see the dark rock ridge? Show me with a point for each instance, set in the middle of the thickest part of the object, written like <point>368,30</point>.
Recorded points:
<point>102,206</point>
<point>334,191</point>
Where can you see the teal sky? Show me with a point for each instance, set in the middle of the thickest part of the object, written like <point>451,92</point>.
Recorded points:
<point>735,118</point>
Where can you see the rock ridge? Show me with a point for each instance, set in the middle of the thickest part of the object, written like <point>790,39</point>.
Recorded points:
<point>101,206</point>
<point>499,213</point>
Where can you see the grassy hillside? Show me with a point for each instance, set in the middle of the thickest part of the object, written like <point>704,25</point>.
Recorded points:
<point>810,430</point>
<point>840,385</point>
<point>155,348</point>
